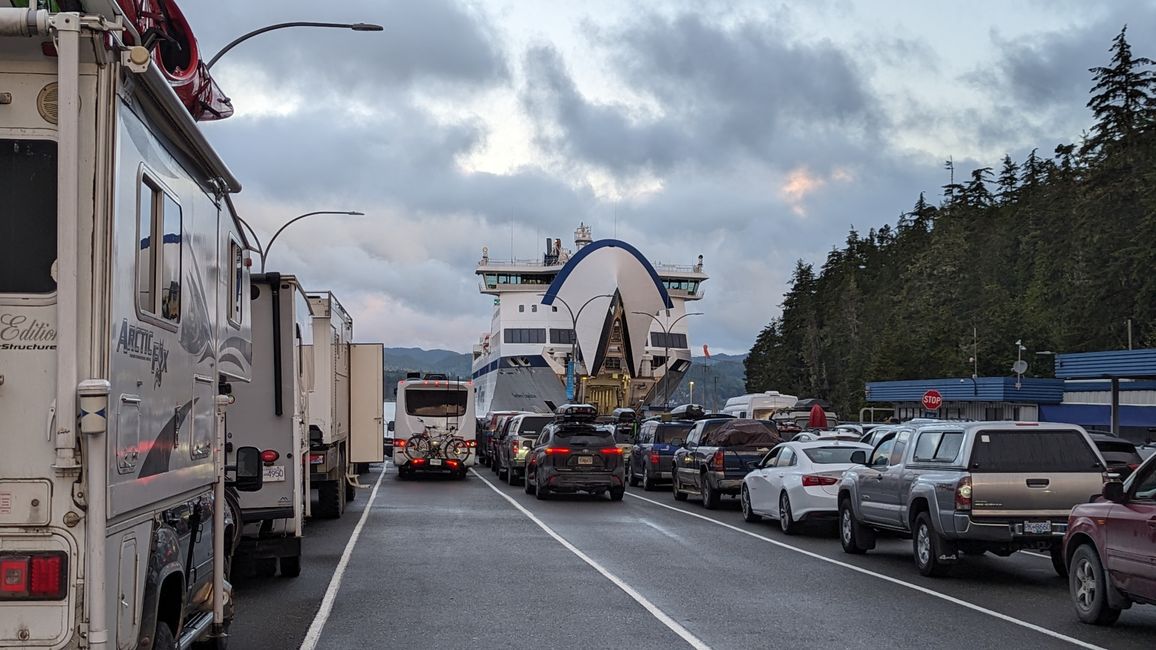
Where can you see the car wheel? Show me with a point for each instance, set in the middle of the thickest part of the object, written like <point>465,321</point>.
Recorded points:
<point>631,479</point>
<point>163,638</point>
<point>679,495</point>
<point>1089,588</point>
<point>927,545</point>
<point>503,473</point>
<point>647,482</point>
<point>540,491</point>
<point>617,493</point>
<point>745,502</point>
<point>786,518</point>
<point>528,483</point>
<point>851,533</point>
<point>1057,552</point>
<point>291,566</point>
<point>710,496</point>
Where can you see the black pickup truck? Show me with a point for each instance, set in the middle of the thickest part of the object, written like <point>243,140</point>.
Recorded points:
<point>716,456</point>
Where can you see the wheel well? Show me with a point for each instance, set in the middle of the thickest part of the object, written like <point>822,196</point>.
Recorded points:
<point>917,506</point>
<point>1076,541</point>
<point>170,601</point>
<point>844,495</point>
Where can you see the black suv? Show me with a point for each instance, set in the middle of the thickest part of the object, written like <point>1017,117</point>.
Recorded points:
<point>573,455</point>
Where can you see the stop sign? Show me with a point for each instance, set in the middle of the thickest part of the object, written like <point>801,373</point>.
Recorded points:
<point>932,400</point>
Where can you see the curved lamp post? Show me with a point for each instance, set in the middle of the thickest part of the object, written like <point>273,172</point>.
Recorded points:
<point>574,331</point>
<point>666,348</point>
<point>357,27</point>
<point>265,254</point>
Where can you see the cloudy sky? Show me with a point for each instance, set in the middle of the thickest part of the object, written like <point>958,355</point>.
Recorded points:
<point>754,133</point>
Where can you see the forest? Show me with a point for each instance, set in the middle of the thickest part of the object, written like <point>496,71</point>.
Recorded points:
<point>1057,250</point>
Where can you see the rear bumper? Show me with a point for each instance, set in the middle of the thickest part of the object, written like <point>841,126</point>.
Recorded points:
<point>575,481</point>
<point>656,475</point>
<point>724,484</point>
<point>1004,532</point>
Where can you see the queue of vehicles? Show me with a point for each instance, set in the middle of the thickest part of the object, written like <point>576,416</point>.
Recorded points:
<point>956,489</point>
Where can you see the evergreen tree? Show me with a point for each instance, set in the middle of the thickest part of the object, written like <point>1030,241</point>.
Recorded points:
<point>1122,98</point>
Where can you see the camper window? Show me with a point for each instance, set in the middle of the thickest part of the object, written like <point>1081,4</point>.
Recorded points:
<point>237,283</point>
<point>27,215</point>
<point>159,267</point>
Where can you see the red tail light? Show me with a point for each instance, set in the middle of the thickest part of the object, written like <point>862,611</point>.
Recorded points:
<point>654,459</point>
<point>451,463</point>
<point>716,461</point>
<point>615,451</point>
<point>557,450</point>
<point>516,447</point>
<point>963,494</point>
<point>471,443</point>
<point>815,480</point>
<point>418,461</point>
<point>35,576</point>
<point>399,442</point>
<point>269,456</point>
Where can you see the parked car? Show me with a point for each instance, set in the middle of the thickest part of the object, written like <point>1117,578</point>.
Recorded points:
<point>1120,455</point>
<point>521,433</point>
<point>496,440</point>
<point>716,456</point>
<point>651,458</point>
<point>1110,548</point>
<point>573,455</point>
<point>798,481</point>
<point>971,487</point>
<point>486,429</point>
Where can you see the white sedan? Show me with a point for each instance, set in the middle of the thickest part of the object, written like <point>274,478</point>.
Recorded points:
<point>799,480</point>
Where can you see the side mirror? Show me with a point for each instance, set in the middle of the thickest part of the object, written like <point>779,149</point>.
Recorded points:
<point>859,457</point>
<point>249,474</point>
<point>389,427</point>
<point>1114,491</point>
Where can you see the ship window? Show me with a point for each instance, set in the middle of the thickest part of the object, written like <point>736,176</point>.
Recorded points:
<point>534,308</point>
<point>521,308</point>
<point>27,215</point>
<point>554,308</point>
<point>159,267</point>
<point>562,336</point>
<point>664,340</point>
<point>524,335</point>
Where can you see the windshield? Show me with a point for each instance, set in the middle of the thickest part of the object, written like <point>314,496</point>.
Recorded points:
<point>672,434</point>
<point>436,403</point>
<point>532,426</point>
<point>583,435</point>
<point>832,455</point>
<point>27,215</point>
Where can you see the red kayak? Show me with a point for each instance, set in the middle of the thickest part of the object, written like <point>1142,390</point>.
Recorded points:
<point>163,27</point>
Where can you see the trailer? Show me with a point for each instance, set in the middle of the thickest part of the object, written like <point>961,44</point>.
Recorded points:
<point>272,414</point>
<point>346,405</point>
<point>124,321</point>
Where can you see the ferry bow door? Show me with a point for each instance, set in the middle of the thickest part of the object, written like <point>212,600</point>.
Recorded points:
<point>366,403</point>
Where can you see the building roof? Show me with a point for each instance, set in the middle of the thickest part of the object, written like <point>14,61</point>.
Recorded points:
<point>1032,390</point>
<point>1113,364</point>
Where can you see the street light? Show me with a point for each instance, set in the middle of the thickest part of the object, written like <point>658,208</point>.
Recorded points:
<point>357,27</point>
<point>265,253</point>
<point>666,347</point>
<point>692,392</point>
<point>574,335</point>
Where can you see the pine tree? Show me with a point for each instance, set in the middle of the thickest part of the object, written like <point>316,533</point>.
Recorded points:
<point>1008,181</point>
<point>1122,99</point>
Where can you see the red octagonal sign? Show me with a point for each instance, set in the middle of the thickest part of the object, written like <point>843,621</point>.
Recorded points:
<point>932,400</point>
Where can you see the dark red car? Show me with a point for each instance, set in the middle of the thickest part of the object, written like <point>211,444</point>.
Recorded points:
<point>1110,548</point>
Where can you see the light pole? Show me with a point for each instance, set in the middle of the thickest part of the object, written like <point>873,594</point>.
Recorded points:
<point>265,253</point>
<point>574,337</point>
<point>357,27</point>
<point>692,392</point>
<point>666,353</point>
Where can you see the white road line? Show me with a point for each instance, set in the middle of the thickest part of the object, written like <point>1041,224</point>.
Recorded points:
<point>1046,557</point>
<point>666,620</point>
<point>314,633</point>
<point>896,581</point>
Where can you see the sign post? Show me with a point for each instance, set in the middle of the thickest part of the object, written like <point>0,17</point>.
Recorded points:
<point>932,400</point>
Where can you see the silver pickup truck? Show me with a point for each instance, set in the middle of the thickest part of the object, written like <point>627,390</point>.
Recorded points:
<point>970,488</point>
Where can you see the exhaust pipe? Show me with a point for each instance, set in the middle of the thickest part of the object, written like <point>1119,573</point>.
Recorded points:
<point>23,22</point>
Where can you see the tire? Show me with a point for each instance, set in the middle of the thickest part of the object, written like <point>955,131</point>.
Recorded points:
<point>710,496</point>
<point>163,638</point>
<point>350,492</point>
<point>528,483</point>
<point>503,474</point>
<point>679,495</point>
<point>1088,586</point>
<point>402,475</point>
<point>745,501</point>
<point>630,477</point>
<point>512,476</point>
<point>926,545</point>
<point>616,494</point>
<point>1057,552</point>
<point>851,532</point>
<point>787,521</point>
<point>647,482</point>
<point>540,491</point>
<point>291,566</point>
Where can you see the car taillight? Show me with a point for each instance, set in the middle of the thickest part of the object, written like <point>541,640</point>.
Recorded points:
<point>418,461</point>
<point>615,451</point>
<point>963,494</point>
<point>557,450</point>
<point>654,459</point>
<point>471,443</point>
<point>516,446</point>
<point>716,461</point>
<point>269,456</point>
<point>451,463</point>
<point>399,442</point>
<point>815,480</point>
<point>35,576</point>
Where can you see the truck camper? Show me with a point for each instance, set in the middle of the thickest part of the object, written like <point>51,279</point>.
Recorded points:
<point>124,323</point>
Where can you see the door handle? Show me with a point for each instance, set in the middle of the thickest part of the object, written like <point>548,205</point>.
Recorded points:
<point>1037,482</point>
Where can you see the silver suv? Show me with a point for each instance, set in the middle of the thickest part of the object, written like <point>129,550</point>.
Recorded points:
<point>520,437</point>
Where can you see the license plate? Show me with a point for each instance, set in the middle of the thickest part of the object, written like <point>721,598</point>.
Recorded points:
<point>585,460</point>
<point>1038,527</point>
<point>273,473</point>
<point>435,462</point>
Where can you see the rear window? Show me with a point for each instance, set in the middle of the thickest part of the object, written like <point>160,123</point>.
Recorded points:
<point>531,427</point>
<point>436,403</point>
<point>1033,451</point>
<point>27,215</point>
<point>671,434</point>
<point>584,435</point>
<point>832,455</point>
<point>937,446</point>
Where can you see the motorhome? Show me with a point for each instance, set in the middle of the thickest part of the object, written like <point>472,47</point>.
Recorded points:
<point>434,428</point>
<point>346,404</point>
<point>271,414</point>
<point>124,319</point>
<point>758,406</point>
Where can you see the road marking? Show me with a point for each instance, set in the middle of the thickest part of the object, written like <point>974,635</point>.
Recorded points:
<point>314,633</point>
<point>887,578</point>
<point>666,620</point>
<point>1046,557</point>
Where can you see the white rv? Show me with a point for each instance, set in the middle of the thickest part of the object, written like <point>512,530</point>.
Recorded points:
<point>434,427</point>
<point>124,316</point>
<point>271,414</point>
<point>759,406</point>
<point>345,405</point>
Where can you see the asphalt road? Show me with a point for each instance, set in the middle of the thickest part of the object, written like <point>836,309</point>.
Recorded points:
<point>454,564</point>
